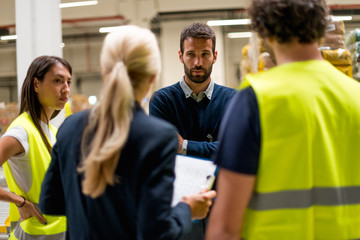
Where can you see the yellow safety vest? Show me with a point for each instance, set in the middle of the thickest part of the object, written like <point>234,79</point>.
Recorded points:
<point>308,181</point>
<point>40,160</point>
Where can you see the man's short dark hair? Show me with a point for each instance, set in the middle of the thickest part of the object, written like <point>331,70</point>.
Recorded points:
<point>197,30</point>
<point>304,20</point>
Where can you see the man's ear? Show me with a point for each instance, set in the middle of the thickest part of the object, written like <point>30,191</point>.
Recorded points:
<point>36,85</point>
<point>269,41</point>
<point>180,56</point>
<point>215,57</point>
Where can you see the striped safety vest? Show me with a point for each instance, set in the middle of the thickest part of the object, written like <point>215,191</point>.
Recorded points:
<point>308,181</point>
<point>40,159</point>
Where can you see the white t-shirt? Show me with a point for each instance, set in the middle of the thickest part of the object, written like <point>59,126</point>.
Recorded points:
<point>20,164</point>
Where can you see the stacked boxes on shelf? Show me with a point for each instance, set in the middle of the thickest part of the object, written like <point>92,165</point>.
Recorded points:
<point>353,44</point>
<point>333,48</point>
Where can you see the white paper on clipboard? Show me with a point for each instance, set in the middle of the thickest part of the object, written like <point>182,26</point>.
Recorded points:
<point>192,175</point>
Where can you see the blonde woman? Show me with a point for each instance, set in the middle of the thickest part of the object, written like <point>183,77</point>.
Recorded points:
<point>112,169</point>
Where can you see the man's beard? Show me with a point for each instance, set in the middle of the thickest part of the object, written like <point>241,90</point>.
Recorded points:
<point>198,78</point>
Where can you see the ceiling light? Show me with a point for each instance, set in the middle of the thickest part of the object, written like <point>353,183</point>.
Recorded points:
<point>229,22</point>
<point>9,37</point>
<point>92,100</point>
<point>239,35</point>
<point>108,29</point>
<point>341,18</point>
<point>77,4</point>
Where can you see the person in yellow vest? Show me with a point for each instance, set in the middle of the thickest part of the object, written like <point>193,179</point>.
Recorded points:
<point>289,153</point>
<point>68,110</point>
<point>26,146</point>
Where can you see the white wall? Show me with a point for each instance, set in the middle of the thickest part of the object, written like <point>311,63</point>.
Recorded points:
<point>7,62</point>
<point>191,5</point>
<point>4,94</point>
<point>233,55</point>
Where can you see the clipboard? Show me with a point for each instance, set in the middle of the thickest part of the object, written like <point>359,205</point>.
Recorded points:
<point>192,175</point>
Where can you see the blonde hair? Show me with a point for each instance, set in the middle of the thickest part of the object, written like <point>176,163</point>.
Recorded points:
<point>129,58</point>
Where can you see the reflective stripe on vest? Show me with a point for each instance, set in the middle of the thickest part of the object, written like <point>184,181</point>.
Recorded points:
<point>39,160</point>
<point>305,198</point>
<point>308,181</point>
<point>19,233</point>
<point>21,229</point>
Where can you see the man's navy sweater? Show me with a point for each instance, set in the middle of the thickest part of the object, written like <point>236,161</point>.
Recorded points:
<point>197,122</point>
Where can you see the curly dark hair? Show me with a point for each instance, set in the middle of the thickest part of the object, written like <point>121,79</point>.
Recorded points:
<point>304,20</point>
<point>197,30</point>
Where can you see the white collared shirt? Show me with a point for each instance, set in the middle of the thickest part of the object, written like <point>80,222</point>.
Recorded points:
<point>190,93</point>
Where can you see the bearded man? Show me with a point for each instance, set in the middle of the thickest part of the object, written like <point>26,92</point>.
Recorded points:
<point>195,104</point>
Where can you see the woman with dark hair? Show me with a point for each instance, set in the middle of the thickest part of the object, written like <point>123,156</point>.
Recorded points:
<point>25,148</point>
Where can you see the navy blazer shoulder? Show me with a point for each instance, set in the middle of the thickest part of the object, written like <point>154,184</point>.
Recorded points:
<point>138,205</point>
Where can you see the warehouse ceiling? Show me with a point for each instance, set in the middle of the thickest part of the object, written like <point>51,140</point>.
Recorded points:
<point>84,22</point>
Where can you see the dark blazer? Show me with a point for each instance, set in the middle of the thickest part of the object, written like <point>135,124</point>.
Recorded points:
<point>138,206</point>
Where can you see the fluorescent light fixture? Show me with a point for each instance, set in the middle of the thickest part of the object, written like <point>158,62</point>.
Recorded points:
<point>92,100</point>
<point>229,22</point>
<point>239,35</point>
<point>77,4</point>
<point>9,37</point>
<point>341,18</point>
<point>108,29</point>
